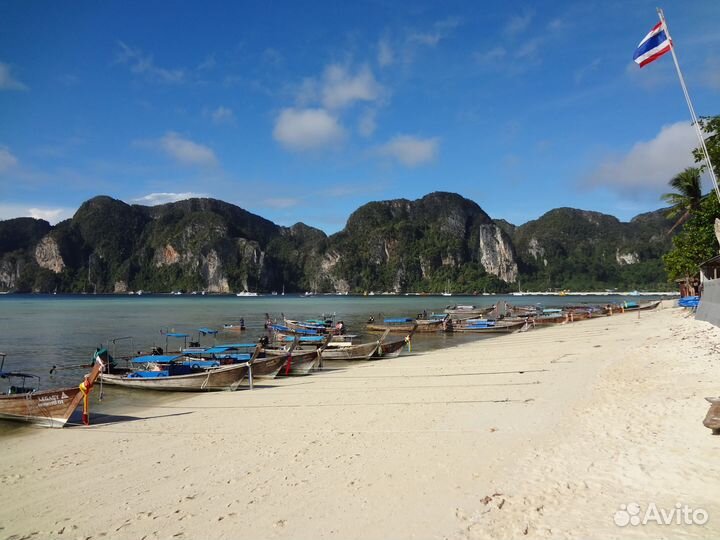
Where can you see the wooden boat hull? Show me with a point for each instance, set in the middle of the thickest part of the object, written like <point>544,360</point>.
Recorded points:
<point>390,348</point>
<point>222,378</point>
<point>424,326</point>
<point>269,366</point>
<point>362,351</point>
<point>393,328</point>
<point>299,362</point>
<point>499,328</point>
<point>468,313</point>
<point>50,408</point>
<point>614,310</point>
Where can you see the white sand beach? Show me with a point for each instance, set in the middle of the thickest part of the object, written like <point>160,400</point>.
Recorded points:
<point>541,434</point>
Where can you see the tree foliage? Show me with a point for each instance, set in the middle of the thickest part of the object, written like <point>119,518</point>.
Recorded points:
<point>696,242</point>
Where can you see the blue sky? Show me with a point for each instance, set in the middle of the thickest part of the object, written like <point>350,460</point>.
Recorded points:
<point>303,111</point>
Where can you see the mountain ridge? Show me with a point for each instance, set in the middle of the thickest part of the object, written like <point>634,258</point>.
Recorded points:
<point>397,245</point>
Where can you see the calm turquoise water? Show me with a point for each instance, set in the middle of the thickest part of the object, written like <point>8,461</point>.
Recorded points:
<point>39,331</point>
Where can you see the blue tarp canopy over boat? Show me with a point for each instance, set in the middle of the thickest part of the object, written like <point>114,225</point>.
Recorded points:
<point>177,335</point>
<point>157,358</point>
<point>200,363</point>
<point>219,349</point>
<point>436,316</point>
<point>205,331</point>
<point>395,321</point>
<point>148,374</point>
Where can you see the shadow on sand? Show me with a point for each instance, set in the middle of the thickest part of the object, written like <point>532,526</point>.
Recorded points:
<point>100,419</point>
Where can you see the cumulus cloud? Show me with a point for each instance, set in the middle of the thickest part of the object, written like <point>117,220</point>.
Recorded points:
<point>410,151</point>
<point>648,164</point>
<point>307,129</point>
<point>7,159</point>
<point>144,64</point>
<point>185,151</point>
<point>7,81</point>
<point>53,215</point>
<point>152,199</point>
<point>342,88</point>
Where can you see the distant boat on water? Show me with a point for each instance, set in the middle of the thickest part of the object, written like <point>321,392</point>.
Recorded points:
<point>246,293</point>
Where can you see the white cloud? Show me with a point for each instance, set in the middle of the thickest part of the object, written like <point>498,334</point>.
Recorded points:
<point>281,202</point>
<point>7,159</point>
<point>342,88</point>
<point>7,81</point>
<point>307,129</point>
<point>53,215</point>
<point>186,151</point>
<point>385,55</point>
<point>222,115</point>
<point>648,164</point>
<point>153,199</point>
<point>144,64</point>
<point>411,151</point>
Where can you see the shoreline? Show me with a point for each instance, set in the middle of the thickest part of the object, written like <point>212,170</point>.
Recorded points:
<point>464,442</point>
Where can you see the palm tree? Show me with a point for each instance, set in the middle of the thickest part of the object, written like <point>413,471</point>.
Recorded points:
<point>687,196</point>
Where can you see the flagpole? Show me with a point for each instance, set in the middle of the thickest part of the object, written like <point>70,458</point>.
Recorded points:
<point>696,124</point>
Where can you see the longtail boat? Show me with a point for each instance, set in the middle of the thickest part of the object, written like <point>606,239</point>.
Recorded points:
<point>392,347</point>
<point>632,306</point>
<point>344,350</point>
<point>50,408</point>
<point>488,326</point>
<point>437,322</point>
<point>467,311</point>
<point>172,374</point>
<point>397,325</point>
<point>266,364</point>
<point>185,373</point>
<point>299,362</point>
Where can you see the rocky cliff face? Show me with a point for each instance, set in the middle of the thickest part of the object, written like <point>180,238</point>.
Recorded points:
<point>398,245</point>
<point>47,255</point>
<point>497,254</point>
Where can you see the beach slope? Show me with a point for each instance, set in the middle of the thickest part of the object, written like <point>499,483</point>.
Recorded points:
<point>543,434</point>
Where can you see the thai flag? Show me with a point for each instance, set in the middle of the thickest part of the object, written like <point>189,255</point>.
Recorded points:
<point>653,46</point>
